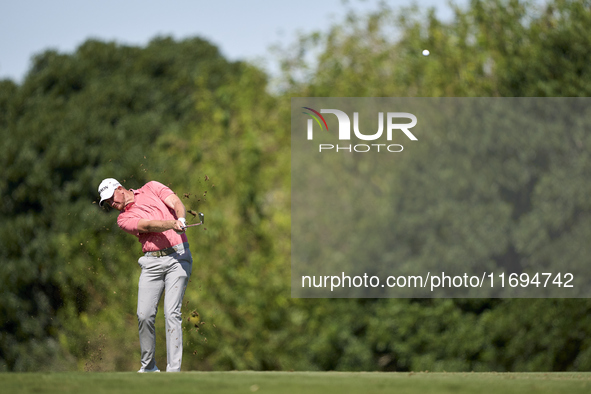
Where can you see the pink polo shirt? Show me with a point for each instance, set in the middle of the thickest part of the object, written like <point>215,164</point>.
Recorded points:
<point>149,204</point>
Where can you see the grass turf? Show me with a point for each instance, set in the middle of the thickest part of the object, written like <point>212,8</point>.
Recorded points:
<point>295,382</point>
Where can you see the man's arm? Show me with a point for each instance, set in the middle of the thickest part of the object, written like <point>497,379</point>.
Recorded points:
<point>175,203</point>
<point>158,226</point>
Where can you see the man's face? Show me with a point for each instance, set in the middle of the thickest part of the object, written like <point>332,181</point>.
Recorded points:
<point>117,201</point>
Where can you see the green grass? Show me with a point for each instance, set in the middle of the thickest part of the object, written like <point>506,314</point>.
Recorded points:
<point>295,382</point>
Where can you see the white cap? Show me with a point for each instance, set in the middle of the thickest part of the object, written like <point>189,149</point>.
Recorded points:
<point>107,188</point>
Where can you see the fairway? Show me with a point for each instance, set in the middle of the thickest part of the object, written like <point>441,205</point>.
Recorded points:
<point>295,382</point>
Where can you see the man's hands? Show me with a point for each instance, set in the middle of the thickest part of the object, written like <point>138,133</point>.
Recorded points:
<point>179,229</point>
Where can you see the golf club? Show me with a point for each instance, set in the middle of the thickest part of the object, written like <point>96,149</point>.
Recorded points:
<point>201,218</point>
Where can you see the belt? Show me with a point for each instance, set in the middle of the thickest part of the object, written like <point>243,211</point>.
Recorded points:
<point>167,251</point>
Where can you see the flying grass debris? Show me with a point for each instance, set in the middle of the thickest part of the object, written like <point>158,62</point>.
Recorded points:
<point>194,318</point>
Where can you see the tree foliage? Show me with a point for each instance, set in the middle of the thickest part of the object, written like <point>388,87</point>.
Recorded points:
<point>68,276</point>
<point>479,199</point>
<point>179,113</point>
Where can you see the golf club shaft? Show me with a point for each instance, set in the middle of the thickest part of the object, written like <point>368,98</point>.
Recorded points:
<point>201,220</point>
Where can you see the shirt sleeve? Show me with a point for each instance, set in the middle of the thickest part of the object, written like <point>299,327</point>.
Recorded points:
<point>128,224</point>
<point>160,190</point>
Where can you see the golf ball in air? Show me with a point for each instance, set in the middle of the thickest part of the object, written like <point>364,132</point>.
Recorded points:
<point>425,52</point>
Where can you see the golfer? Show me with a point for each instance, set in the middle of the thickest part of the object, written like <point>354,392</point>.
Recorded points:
<point>155,215</point>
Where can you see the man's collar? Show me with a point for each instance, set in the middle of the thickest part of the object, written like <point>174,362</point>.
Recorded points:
<point>128,206</point>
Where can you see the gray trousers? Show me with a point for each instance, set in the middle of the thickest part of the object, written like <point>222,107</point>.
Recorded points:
<point>169,274</point>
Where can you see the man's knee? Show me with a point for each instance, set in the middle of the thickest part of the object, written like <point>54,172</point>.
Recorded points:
<point>146,316</point>
<point>173,316</point>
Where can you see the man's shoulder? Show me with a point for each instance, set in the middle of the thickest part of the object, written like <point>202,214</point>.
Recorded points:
<point>151,186</point>
<point>154,185</point>
<point>157,189</point>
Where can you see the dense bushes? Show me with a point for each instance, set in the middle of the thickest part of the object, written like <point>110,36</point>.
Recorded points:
<point>178,112</point>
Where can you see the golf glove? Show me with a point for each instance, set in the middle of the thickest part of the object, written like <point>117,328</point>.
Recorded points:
<point>184,222</point>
